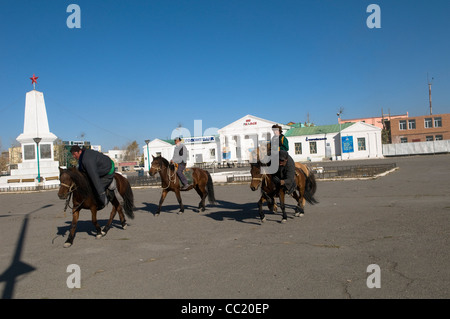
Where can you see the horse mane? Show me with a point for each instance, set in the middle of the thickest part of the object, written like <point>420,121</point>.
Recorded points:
<point>163,161</point>
<point>81,180</point>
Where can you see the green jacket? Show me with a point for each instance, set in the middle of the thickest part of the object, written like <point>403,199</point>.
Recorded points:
<point>283,143</point>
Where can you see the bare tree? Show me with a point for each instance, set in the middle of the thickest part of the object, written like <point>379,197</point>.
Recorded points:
<point>132,151</point>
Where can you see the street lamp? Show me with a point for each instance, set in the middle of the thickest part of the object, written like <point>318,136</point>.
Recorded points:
<point>148,155</point>
<point>37,140</point>
<point>341,110</point>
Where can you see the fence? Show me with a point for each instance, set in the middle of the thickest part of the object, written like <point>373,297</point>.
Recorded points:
<point>416,148</point>
<point>352,171</point>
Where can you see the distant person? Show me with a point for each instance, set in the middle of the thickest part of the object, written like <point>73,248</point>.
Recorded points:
<point>100,170</point>
<point>180,158</point>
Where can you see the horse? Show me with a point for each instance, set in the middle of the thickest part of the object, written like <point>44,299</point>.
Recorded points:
<point>202,183</point>
<point>306,188</point>
<point>76,184</point>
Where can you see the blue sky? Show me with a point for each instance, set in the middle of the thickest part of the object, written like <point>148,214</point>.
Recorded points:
<point>137,69</point>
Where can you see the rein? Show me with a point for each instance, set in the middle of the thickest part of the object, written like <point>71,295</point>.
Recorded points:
<point>71,188</point>
<point>172,178</point>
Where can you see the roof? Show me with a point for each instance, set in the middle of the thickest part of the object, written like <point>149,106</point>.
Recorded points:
<point>313,130</point>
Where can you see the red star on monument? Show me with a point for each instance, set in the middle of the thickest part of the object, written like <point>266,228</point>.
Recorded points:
<point>34,79</point>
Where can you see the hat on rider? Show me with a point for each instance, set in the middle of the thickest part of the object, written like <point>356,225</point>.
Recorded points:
<point>283,155</point>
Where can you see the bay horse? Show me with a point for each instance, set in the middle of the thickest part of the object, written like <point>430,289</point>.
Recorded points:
<point>202,183</point>
<point>306,188</point>
<point>76,184</point>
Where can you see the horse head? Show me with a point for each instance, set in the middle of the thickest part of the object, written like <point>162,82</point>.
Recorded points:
<point>66,184</point>
<point>158,164</point>
<point>257,176</point>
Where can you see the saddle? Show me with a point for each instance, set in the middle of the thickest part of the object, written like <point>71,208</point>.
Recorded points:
<point>187,172</point>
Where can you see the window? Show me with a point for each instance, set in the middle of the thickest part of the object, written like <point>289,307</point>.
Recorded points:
<point>428,122</point>
<point>212,153</point>
<point>312,147</point>
<point>45,151</point>
<point>298,148</point>
<point>403,140</point>
<point>402,124</point>
<point>439,138</point>
<point>429,138</point>
<point>30,152</point>
<point>361,144</point>
<point>412,124</point>
<point>438,122</point>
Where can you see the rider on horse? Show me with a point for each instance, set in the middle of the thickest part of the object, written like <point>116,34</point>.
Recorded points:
<point>283,143</point>
<point>180,158</point>
<point>285,176</point>
<point>100,170</point>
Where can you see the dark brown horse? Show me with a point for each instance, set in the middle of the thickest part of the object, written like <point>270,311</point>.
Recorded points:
<point>75,184</point>
<point>306,188</point>
<point>202,183</point>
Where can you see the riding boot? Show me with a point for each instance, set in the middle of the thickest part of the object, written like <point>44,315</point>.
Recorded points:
<point>113,187</point>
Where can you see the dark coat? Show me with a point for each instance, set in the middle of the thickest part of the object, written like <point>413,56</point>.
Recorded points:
<point>287,173</point>
<point>98,167</point>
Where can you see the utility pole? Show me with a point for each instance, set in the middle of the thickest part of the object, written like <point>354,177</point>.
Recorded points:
<point>429,93</point>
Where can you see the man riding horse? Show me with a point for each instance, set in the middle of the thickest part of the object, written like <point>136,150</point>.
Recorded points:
<point>180,158</point>
<point>285,176</point>
<point>100,170</point>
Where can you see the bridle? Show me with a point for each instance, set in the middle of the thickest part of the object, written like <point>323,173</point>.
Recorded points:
<point>172,178</point>
<point>73,187</point>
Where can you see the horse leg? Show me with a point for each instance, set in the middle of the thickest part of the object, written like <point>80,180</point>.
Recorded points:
<point>283,208</point>
<point>70,238</point>
<point>100,233</point>
<point>202,195</point>
<point>178,195</point>
<point>260,209</point>
<point>111,217</point>
<point>298,208</point>
<point>123,220</point>
<point>161,200</point>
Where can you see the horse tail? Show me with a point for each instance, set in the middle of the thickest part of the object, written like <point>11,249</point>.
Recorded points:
<point>310,188</point>
<point>210,189</point>
<point>128,199</point>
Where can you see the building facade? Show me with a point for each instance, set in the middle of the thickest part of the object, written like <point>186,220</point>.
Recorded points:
<point>239,139</point>
<point>332,142</point>
<point>375,121</point>
<point>423,128</point>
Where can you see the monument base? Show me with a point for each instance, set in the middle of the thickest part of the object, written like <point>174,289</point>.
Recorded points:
<point>25,177</point>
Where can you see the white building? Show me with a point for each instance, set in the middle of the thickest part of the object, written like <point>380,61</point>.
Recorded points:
<point>316,143</point>
<point>238,139</point>
<point>204,149</point>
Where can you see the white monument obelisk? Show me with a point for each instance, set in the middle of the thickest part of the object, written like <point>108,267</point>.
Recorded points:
<point>36,136</point>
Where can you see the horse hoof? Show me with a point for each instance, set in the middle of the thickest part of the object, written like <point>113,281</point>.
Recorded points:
<point>157,214</point>
<point>263,219</point>
<point>302,214</point>
<point>67,245</point>
<point>124,226</point>
<point>284,220</point>
<point>297,214</point>
<point>180,212</point>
